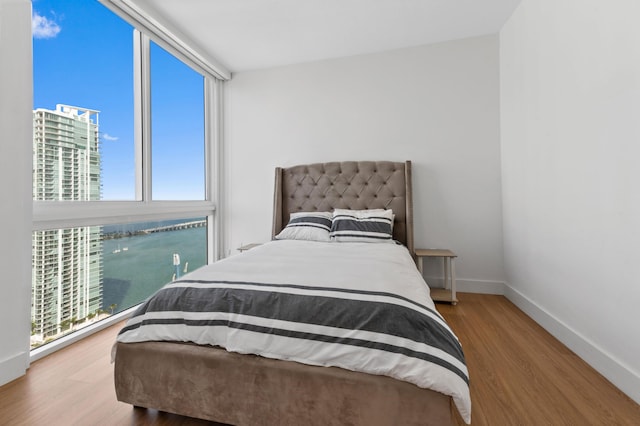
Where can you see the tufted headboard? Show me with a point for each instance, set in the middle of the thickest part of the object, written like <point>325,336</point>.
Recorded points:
<point>355,185</point>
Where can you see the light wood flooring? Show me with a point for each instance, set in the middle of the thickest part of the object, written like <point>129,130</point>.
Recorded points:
<point>520,375</point>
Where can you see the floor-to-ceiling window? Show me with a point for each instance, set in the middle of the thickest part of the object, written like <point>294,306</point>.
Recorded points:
<point>123,163</point>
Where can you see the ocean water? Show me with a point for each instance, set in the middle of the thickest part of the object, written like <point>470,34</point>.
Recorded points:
<point>131,275</point>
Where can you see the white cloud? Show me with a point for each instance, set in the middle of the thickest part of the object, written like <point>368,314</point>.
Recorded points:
<point>108,137</point>
<point>42,27</point>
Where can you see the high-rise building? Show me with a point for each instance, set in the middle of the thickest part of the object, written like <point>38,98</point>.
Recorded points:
<point>67,263</point>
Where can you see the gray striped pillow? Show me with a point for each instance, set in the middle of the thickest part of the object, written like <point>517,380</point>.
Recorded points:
<point>372,226</point>
<point>310,226</point>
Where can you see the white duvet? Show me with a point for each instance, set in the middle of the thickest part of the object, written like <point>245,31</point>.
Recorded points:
<point>358,306</point>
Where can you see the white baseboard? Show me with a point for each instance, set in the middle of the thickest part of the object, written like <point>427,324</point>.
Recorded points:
<point>622,377</point>
<point>480,286</point>
<point>13,367</point>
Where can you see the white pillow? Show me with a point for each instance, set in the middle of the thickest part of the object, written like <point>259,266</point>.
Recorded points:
<point>372,226</point>
<point>310,226</point>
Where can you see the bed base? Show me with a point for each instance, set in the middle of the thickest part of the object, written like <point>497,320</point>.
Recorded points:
<point>213,384</point>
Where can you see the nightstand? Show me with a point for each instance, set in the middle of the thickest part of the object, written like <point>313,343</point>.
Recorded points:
<point>248,247</point>
<point>448,293</point>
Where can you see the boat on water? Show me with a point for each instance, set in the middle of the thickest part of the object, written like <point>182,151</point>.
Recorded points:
<point>176,265</point>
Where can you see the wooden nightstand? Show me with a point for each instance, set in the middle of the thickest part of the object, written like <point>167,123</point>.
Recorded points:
<point>248,247</point>
<point>448,293</point>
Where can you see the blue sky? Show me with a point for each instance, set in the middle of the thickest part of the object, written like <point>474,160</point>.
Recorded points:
<point>83,56</point>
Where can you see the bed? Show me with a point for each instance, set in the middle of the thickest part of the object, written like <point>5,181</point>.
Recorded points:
<point>320,373</point>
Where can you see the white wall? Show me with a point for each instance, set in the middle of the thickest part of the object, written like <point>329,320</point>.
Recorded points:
<point>436,105</point>
<point>570,124</point>
<point>15,191</point>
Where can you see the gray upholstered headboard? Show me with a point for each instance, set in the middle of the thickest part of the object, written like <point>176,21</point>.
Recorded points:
<point>355,185</point>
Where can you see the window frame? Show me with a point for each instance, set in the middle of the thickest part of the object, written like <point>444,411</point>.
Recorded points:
<point>66,214</point>
<point>48,215</point>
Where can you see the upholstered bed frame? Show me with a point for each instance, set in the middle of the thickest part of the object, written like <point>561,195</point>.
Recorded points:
<point>211,383</point>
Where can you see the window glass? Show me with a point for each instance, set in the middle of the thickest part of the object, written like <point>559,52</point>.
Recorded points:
<point>177,129</point>
<point>84,274</point>
<point>66,279</point>
<point>83,102</point>
<point>84,150</point>
<point>142,257</point>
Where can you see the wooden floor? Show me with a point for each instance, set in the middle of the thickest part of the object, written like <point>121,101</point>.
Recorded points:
<point>520,375</point>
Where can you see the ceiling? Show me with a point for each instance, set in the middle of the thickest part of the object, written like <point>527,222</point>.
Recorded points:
<point>253,34</point>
